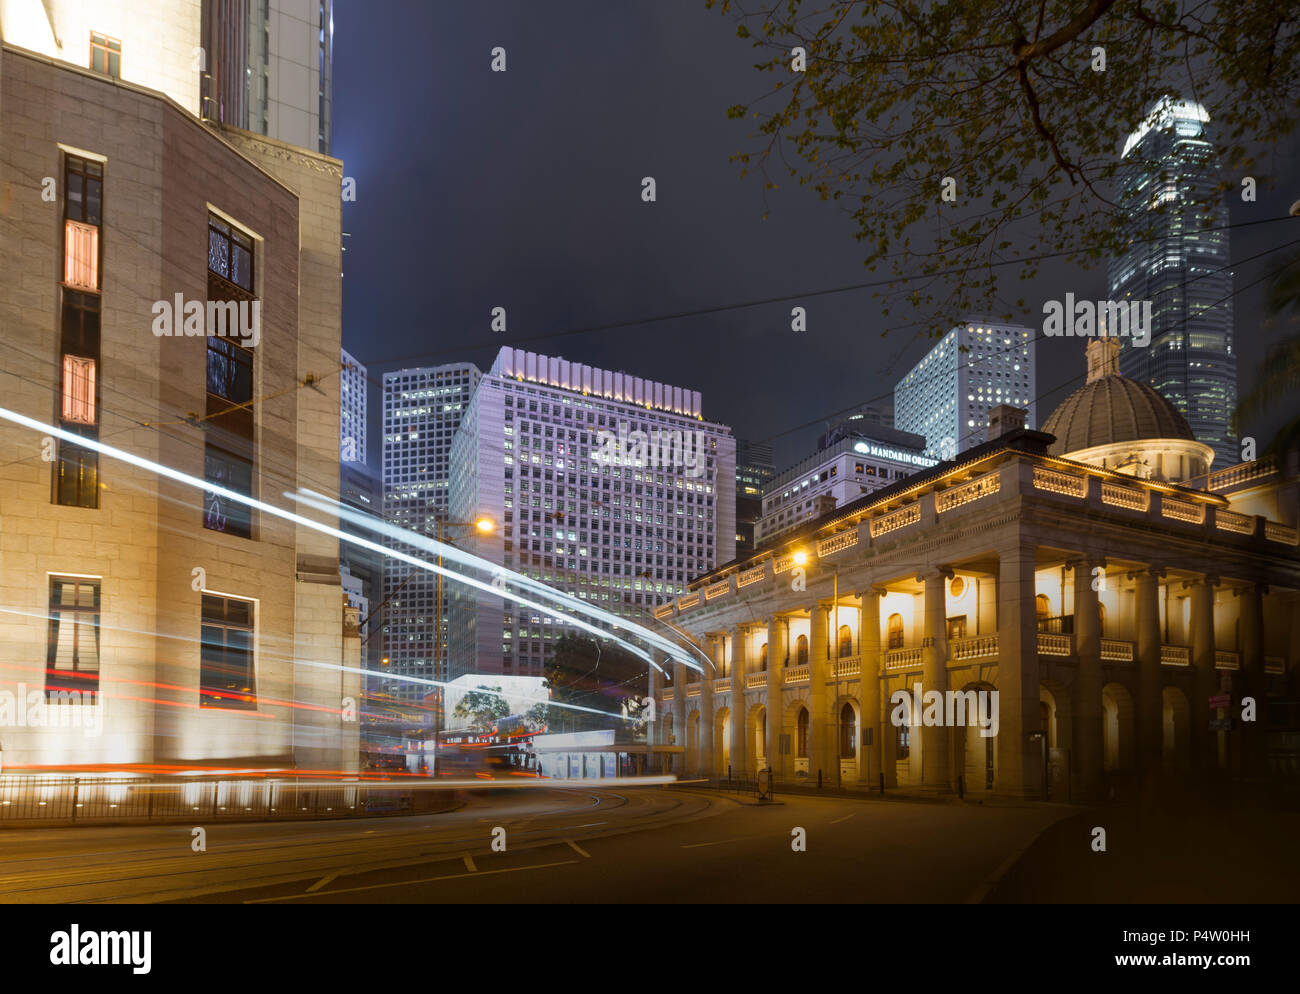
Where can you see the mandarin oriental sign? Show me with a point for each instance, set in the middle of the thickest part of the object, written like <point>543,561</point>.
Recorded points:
<point>867,449</point>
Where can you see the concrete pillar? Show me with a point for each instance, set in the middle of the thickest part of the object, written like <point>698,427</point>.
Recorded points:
<point>739,667</point>
<point>1019,766</point>
<point>679,717</point>
<point>1254,683</point>
<point>1151,708</point>
<point>870,748</point>
<point>1205,678</point>
<point>821,726</point>
<point>936,740</point>
<point>776,642</point>
<point>653,690</point>
<point>1088,759</point>
<point>705,767</point>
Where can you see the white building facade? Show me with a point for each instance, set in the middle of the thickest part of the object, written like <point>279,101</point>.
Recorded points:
<point>422,409</point>
<point>975,367</point>
<point>624,532</point>
<point>843,472</point>
<point>352,411</point>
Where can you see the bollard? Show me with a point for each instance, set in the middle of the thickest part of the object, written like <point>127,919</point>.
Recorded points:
<point>961,791</point>
<point>882,781</point>
<point>819,779</point>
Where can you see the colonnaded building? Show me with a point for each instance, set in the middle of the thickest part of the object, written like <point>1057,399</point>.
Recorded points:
<point>1118,597</point>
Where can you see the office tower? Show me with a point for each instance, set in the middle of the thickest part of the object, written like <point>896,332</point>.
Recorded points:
<point>854,422</point>
<point>352,411</point>
<point>270,68</point>
<point>754,468</point>
<point>871,458</point>
<point>119,576</point>
<point>947,396</point>
<point>422,409</point>
<point>607,486</point>
<point>1169,173</point>
<point>261,65</point>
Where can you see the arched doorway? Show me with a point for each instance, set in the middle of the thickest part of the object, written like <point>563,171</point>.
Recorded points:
<point>1176,741</point>
<point>762,658</point>
<point>801,651</point>
<point>846,641</point>
<point>1119,746</point>
<point>976,754</point>
<point>1042,610</point>
<point>721,742</point>
<point>848,731</point>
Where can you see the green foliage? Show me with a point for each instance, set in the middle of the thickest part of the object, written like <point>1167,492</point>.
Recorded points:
<point>483,708</point>
<point>1002,96</point>
<point>594,675</point>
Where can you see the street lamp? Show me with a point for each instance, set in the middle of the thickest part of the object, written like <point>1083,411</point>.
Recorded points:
<point>484,526</point>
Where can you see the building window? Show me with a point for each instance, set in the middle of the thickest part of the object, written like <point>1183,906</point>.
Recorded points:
<point>72,655</point>
<point>1042,608</point>
<point>801,738</point>
<point>81,255</point>
<point>762,658</point>
<point>230,253</point>
<point>846,641</point>
<point>76,475</point>
<point>226,675</point>
<point>220,512</point>
<point>106,55</point>
<point>78,390</point>
<point>957,627</point>
<point>801,651</point>
<point>904,742</point>
<point>895,631</point>
<point>848,732</point>
<point>229,450</point>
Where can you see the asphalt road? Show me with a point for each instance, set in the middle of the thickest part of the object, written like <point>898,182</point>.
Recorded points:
<point>634,844</point>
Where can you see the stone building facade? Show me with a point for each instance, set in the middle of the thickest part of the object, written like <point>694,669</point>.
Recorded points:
<point>1109,609</point>
<point>118,581</point>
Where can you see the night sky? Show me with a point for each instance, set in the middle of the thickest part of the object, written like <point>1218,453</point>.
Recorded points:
<point>522,189</point>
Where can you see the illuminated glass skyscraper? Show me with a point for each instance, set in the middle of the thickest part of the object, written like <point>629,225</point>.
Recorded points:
<point>1169,172</point>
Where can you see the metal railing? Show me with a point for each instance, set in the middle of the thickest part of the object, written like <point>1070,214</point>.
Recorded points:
<point>75,799</point>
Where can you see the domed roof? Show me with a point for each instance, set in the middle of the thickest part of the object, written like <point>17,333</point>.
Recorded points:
<point>1113,408</point>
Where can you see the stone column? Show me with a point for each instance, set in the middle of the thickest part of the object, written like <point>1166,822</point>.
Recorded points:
<point>705,765</point>
<point>821,728</point>
<point>739,667</point>
<point>870,750</point>
<point>679,717</point>
<point>776,640</point>
<point>1205,678</point>
<point>1253,755</point>
<point>652,689</point>
<point>1151,707</point>
<point>1019,768</point>
<point>936,740</point>
<point>1088,761</point>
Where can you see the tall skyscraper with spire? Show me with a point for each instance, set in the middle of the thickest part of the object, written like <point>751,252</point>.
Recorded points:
<point>1168,173</point>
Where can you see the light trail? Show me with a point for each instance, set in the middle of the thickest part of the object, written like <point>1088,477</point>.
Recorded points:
<point>207,487</point>
<point>378,526</point>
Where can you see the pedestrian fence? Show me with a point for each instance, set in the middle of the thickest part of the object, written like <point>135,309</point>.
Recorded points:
<point>73,799</point>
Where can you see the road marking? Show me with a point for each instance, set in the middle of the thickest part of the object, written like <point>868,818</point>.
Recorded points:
<point>322,882</point>
<point>577,848</point>
<point>410,883</point>
<point>722,842</point>
<point>845,818</point>
<point>469,863</point>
